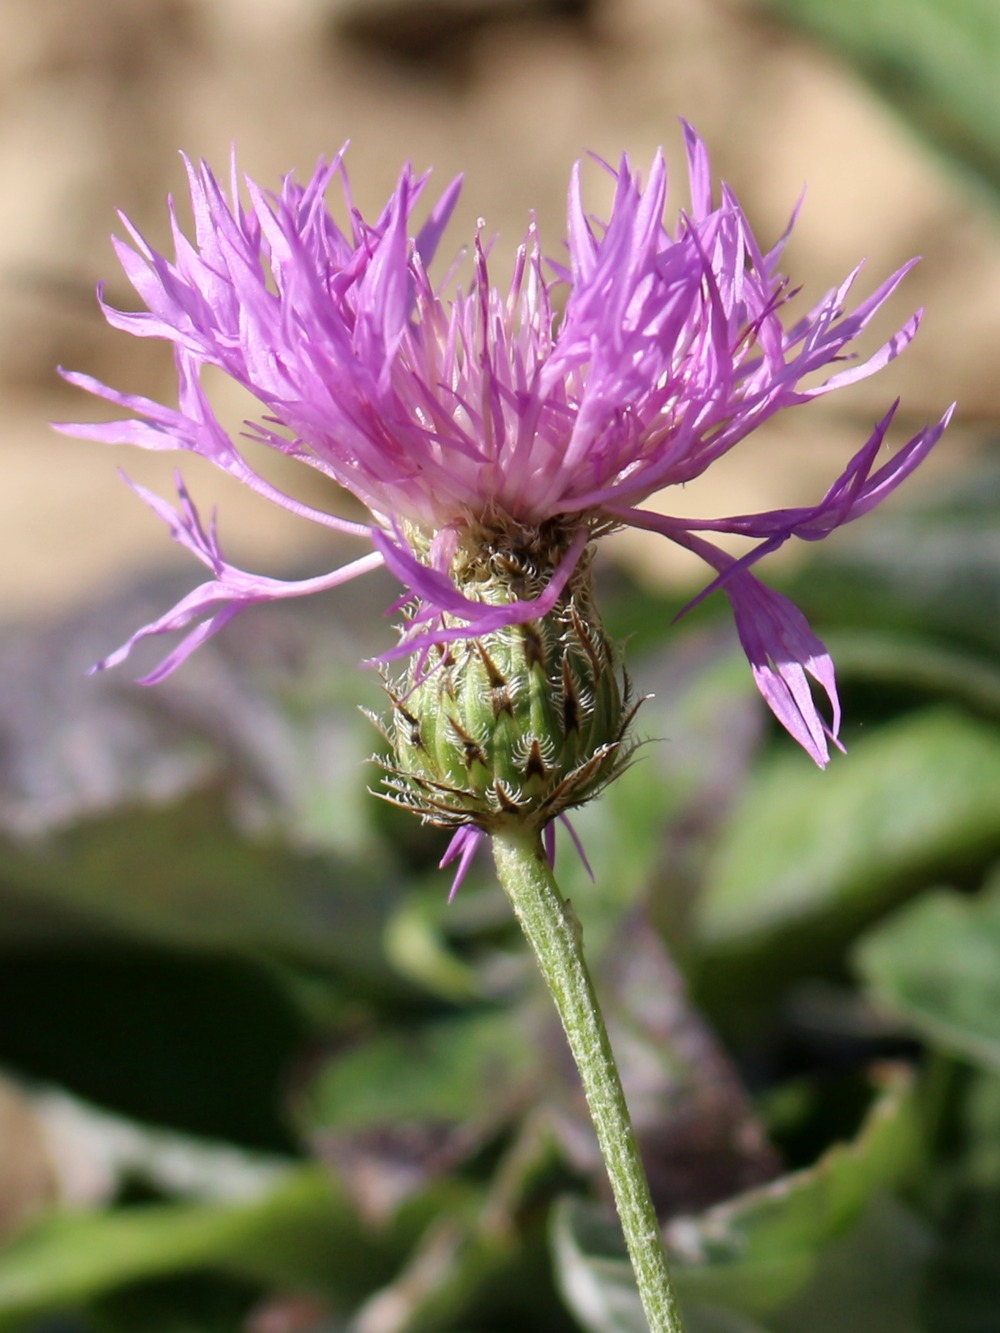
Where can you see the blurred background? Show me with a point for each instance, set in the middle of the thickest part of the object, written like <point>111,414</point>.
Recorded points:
<point>98,97</point>
<point>255,1075</point>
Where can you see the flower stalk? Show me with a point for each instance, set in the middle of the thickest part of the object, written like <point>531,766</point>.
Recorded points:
<point>553,932</point>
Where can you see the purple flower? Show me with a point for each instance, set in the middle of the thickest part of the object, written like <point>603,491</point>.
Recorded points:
<point>589,384</point>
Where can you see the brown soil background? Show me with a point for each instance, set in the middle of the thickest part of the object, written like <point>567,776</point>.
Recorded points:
<point>97,96</point>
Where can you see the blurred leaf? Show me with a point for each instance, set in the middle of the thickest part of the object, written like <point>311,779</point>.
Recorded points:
<point>463,1250</point>
<point>755,1253</point>
<point>593,1268</point>
<point>937,963</point>
<point>95,1155</point>
<point>267,711</point>
<point>463,950</point>
<point>811,851</point>
<point>404,1106</point>
<point>963,1289</point>
<point>462,1068</point>
<point>482,1261</point>
<point>416,943</point>
<point>935,59</point>
<point>181,873</point>
<point>918,664</point>
<point>300,1234</point>
<point>128,812</point>
<point>759,1248</point>
<point>869,1281</point>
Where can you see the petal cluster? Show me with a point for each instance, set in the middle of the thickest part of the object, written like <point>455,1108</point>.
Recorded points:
<point>569,395</point>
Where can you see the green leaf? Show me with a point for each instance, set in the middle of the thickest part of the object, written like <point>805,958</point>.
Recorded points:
<point>937,963</point>
<point>963,1288</point>
<point>901,659</point>
<point>869,1281</point>
<point>457,950</point>
<point>755,1253</point>
<point>935,59</point>
<point>181,873</point>
<point>407,1106</point>
<point>762,1246</point>
<point>466,1069</point>
<point>299,1235</point>
<point>812,853</point>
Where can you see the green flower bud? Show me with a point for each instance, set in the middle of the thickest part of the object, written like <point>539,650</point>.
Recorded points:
<point>522,723</point>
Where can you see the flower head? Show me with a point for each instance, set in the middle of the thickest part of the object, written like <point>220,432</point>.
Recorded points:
<point>540,415</point>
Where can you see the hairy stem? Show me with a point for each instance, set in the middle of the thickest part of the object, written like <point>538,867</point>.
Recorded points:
<point>554,934</point>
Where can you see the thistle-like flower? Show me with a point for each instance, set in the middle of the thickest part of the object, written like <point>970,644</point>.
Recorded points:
<point>493,435</point>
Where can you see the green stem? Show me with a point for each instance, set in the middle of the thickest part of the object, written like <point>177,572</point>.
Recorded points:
<point>554,934</point>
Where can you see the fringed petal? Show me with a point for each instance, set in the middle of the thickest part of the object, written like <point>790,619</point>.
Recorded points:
<point>213,604</point>
<point>782,649</point>
<point>856,492</point>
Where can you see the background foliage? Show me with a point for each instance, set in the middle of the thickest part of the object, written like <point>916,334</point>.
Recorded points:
<point>260,1076</point>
